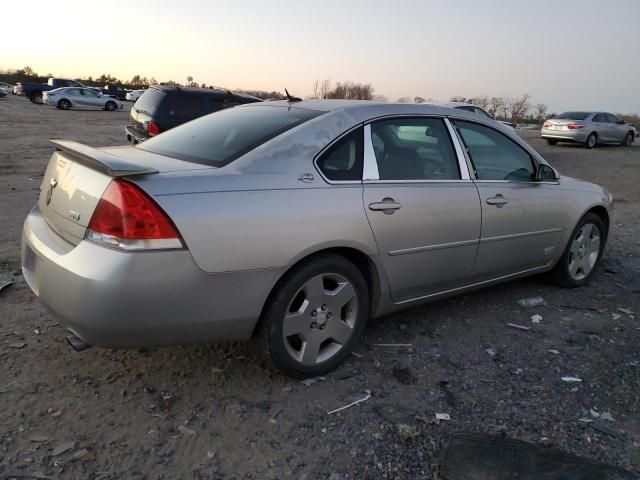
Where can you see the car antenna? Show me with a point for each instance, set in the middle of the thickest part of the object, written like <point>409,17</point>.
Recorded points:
<point>290,98</point>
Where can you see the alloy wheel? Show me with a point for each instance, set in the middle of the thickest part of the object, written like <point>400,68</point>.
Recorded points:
<point>320,319</point>
<point>584,251</point>
<point>591,141</point>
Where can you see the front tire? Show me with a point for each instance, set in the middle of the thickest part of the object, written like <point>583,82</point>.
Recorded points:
<point>592,141</point>
<point>628,139</point>
<point>582,254</point>
<point>314,317</point>
<point>551,141</point>
<point>110,106</point>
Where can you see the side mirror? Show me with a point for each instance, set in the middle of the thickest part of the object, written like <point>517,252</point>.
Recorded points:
<point>621,122</point>
<point>545,173</point>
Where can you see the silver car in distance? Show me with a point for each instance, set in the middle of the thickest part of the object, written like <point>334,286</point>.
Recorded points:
<point>296,222</point>
<point>77,97</point>
<point>588,128</point>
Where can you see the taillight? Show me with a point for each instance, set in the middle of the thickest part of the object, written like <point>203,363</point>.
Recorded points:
<point>546,124</point>
<point>153,129</point>
<point>128,219</point>
<point>574,126</point>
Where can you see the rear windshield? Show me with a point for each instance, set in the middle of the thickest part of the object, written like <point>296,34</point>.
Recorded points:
<point>149,101</point>
<point>219,138</point>
<point>573,115</point>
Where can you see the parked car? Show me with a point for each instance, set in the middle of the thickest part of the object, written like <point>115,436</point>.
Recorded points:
<point>73,97</point>
<point>134,95</point>
<point>6,88</point>
<point>3,93</point>
<point>115,91</point>
<point>469,107</point>
<point>33,91</point>
<point>162,107</point>
<point>17,90</point>
<point>296,222</point>
<point>588,128</point>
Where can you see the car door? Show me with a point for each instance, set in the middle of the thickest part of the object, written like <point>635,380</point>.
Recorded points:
<point>91,99</point>
<point>422,207</point>
<point>618,130</point>
<point>522,219</point>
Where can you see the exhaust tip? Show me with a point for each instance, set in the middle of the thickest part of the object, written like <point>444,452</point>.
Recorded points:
<point>77,344</point>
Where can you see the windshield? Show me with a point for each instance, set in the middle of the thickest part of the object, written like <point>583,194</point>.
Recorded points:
<point>219,138</point>
<point>573,115</point>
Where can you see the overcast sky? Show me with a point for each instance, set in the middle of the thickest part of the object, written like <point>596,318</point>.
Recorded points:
<point>569,54</point>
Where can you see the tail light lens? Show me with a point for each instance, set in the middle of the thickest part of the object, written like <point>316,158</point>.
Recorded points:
<point>546,124</point>
<point>574,126</point>
<point>153,129</point>
<point>128,219</point>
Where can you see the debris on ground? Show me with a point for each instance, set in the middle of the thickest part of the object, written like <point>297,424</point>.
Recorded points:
<point>38,438</point>
<point>491,352</point>
<point>536,318</point>
<point>406,432</point>
<point>624,310</point>
<point>403,375</point>
<point>17,345</point>
<point>555,352</point>
<point>519,327</point>
<point>571,379</point>
<point>607,416</point>
<point>405,345</point>
<point>607,429</point>
<point>443,416</point>
<point>186,431</point>
<point>6,279</point>
<point>356,402</point>
<point>310,381</point>
<point>531,302</point>
<point>82,454</point>
<point>63,448</point>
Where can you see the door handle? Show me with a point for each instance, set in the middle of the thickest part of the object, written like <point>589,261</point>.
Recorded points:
<point>387,206</point>
<point>499,201</point>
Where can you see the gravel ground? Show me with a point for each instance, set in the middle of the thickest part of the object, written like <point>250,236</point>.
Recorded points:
<point>215,412</point>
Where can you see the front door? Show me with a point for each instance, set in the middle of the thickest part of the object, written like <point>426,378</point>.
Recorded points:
<point>521,218</point>
<point>423,209</point>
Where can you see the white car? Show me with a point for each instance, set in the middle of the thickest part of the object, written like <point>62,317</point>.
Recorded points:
<point>75,97</point>
<point>133,95</point>
<point>8,89</point>
<point>470,107</point>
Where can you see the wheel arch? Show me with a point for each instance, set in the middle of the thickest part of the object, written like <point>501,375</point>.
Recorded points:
<point>370,271</point>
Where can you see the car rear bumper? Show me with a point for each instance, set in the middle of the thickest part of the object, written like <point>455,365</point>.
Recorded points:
<point>133,135</point>
<point>120,299</point>
<point>579,135</point>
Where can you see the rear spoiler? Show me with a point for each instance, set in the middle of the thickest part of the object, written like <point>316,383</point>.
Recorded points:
<point>101,161</point>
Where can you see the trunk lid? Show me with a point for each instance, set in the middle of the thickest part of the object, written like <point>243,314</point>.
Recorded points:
<point>77,176</point>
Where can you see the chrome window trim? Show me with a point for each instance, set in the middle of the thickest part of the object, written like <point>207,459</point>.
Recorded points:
<point>327,147</point>
<point>370,167</point>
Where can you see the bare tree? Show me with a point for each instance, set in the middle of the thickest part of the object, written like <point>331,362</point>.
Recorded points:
<point>541,111</point>
<point>325,88</point>
<point>519,106</point>
<point>481,101</point>
<point>418,100</point>
<point>316,89</point>
<point>458,99</point>
<point>351,91</point>
<point>495,105</point>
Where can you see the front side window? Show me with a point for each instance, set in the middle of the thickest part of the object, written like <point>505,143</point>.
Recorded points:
<point>495,156</point>
<point>219,138</point>
<point>343,160</point>
<point>414,149</point>
<point>612,118</point>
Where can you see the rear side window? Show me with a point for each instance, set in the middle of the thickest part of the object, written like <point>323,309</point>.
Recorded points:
<point>573,115</point>
<point>149,101</point>
<point>343,160</point>
<point>186,106</point>
<point>495,156</point>
<point>219,138</point>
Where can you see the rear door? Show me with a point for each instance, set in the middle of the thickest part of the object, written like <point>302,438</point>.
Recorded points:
<point>522,219</point>
<point>423,209</point>
<point>600,126</point>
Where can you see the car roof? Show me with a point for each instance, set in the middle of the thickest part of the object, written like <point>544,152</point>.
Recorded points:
<point>199,90</point>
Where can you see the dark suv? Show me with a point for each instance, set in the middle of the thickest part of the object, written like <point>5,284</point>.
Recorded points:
<point>163,107</point>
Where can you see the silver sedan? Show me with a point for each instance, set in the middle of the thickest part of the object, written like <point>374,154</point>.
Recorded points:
<point>297,222</point>
<point>588,128</point>
<point>76,97</point>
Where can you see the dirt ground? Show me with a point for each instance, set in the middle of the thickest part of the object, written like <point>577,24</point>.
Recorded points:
<point>215,412</point>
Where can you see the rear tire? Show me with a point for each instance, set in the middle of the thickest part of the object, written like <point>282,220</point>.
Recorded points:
<point>110,106</point>
<point>582,254</point>
<point>314,317</point>
<point>551,141</point>
<point>64,104</point>
<point>628,139</point>
<point>592,141</point>
<point>36,97</point>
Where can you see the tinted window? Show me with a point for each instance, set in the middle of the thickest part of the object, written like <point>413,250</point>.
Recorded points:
<point>573,115</point>
<point>186,106</point>
<point>495,156</point>
<point>219,138</point>
<point>89,93</point>
<point>414,149</point>
<point>612,118</point>
<point>149,101</point>
<point>343,161</point>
